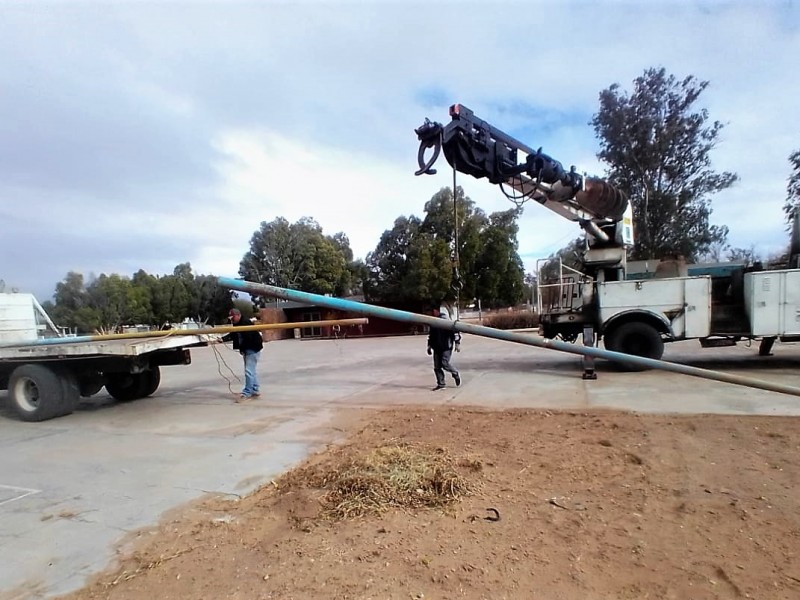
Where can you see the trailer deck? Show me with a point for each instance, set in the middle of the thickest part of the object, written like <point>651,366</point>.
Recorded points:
<point>47,377</point>
<point>67,349</point>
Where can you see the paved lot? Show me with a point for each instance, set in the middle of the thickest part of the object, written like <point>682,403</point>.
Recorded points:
<point>71,489</point>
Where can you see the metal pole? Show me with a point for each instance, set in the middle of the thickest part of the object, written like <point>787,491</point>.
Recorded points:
<point>498,334</point>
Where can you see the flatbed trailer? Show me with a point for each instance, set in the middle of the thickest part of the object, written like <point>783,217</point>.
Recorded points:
<point>47,372</point>
<point>46,379</point>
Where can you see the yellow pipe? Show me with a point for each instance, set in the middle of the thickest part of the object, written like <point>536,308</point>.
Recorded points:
<point>224,329</point>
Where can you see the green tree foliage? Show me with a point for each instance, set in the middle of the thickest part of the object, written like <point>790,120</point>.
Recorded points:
<point>793,189</point>
<point>175,297</point>
<point>413,261</point>
<point>112,295</point>
<point>499,269</point>
<point>145,286</point>
<point>298,256</point>
<point>440,222</point>
<point>568,256</point>
<point>210,302</point>
<point>390,263</point>
<point>73,306</point>
<point>359,275</point>
<point>657,146</point>
<point>111,301</point>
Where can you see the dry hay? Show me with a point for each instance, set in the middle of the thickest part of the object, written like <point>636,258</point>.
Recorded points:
<point>403,476</point>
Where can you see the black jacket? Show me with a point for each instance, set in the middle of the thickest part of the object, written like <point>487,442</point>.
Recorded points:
<point>440,340</point>
<point>244,340</point>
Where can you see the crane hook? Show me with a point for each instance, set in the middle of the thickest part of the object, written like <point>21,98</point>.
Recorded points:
<point>430,136</point>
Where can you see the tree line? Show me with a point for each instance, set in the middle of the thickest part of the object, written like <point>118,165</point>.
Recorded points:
<point>655,141</point>
<point>414,263</point>
<point>108,302</point>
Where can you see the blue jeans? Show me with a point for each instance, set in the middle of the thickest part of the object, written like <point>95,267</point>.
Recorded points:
<point>250,375</point>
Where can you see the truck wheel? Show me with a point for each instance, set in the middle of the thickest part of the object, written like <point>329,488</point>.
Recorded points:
<point>636,338</point>
<point>152,379</point>
<point>89,385</point>
<point>70,392</point>
<point>125,386</point>
<point>37,392</point>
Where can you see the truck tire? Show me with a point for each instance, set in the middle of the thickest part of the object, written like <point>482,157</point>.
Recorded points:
<point>70,392</point>
<point>125,386</point>
<point>38,393</point>
<point>152,380</point>
<point>133,386</point>
<point>636,338</point>
<point>90,384</point>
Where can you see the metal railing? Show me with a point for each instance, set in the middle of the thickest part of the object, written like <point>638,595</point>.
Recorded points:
<point>569,288</point>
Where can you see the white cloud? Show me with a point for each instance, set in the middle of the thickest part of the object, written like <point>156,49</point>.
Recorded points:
<point>141,135</point>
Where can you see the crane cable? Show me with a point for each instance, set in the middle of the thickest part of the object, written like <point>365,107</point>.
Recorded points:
<point>456,283</point>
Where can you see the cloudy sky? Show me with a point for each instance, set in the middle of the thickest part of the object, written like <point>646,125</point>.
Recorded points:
<point>146,134</point>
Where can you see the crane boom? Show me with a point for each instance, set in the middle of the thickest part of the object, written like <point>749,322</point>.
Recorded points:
<point>474,147</point>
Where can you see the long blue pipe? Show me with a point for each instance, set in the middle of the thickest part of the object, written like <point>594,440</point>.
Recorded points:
<point>261,289</point>
<point>53,341</point>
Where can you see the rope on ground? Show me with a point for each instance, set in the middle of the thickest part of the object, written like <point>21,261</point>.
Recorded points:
<point>221,360</point>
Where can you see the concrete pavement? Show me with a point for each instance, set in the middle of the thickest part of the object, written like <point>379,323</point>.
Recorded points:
<point>72,488</point>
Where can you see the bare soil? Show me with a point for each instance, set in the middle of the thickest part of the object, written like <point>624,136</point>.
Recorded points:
<point>590,505</point>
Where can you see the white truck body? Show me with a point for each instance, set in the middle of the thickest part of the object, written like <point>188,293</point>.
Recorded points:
<point>638,316</point>
<point>684,303</point>
<point>772,302</point>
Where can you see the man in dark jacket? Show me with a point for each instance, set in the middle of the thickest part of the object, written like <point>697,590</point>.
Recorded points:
<point>441,343</point>
<point>249,345</point>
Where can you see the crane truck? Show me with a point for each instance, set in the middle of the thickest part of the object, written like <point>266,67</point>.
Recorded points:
<point>598,300</point>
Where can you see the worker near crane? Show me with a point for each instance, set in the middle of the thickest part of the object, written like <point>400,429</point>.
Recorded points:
<point>441,343</point>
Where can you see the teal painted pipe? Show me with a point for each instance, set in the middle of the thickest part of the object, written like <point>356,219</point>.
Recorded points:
<point>260,289</point>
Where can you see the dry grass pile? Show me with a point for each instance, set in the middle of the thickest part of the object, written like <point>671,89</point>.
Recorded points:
<point>399,476</point>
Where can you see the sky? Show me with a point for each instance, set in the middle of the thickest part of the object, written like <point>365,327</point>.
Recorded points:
<point>142,135</point>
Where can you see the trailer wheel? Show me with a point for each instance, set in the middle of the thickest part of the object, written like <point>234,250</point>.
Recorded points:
<point>37,393</point>
<point>636,338</point>
<point>152,379</point>
<point>132,386</point>
<point>70,392</point>
<point>125,386</point>
<point>91,384</point>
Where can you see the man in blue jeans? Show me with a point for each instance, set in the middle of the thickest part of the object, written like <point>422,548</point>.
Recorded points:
<point>249,345</point>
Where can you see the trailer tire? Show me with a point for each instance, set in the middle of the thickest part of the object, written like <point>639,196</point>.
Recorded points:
<point>152,379</point>
<point>636,338</point>
<point>89,385</point>
<point>70,392</point>
<point>125,386</point>
<point>133,386</point>
<point>38,393</point>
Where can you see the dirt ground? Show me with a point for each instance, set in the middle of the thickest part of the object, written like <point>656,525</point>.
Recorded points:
<point>590,505</point>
